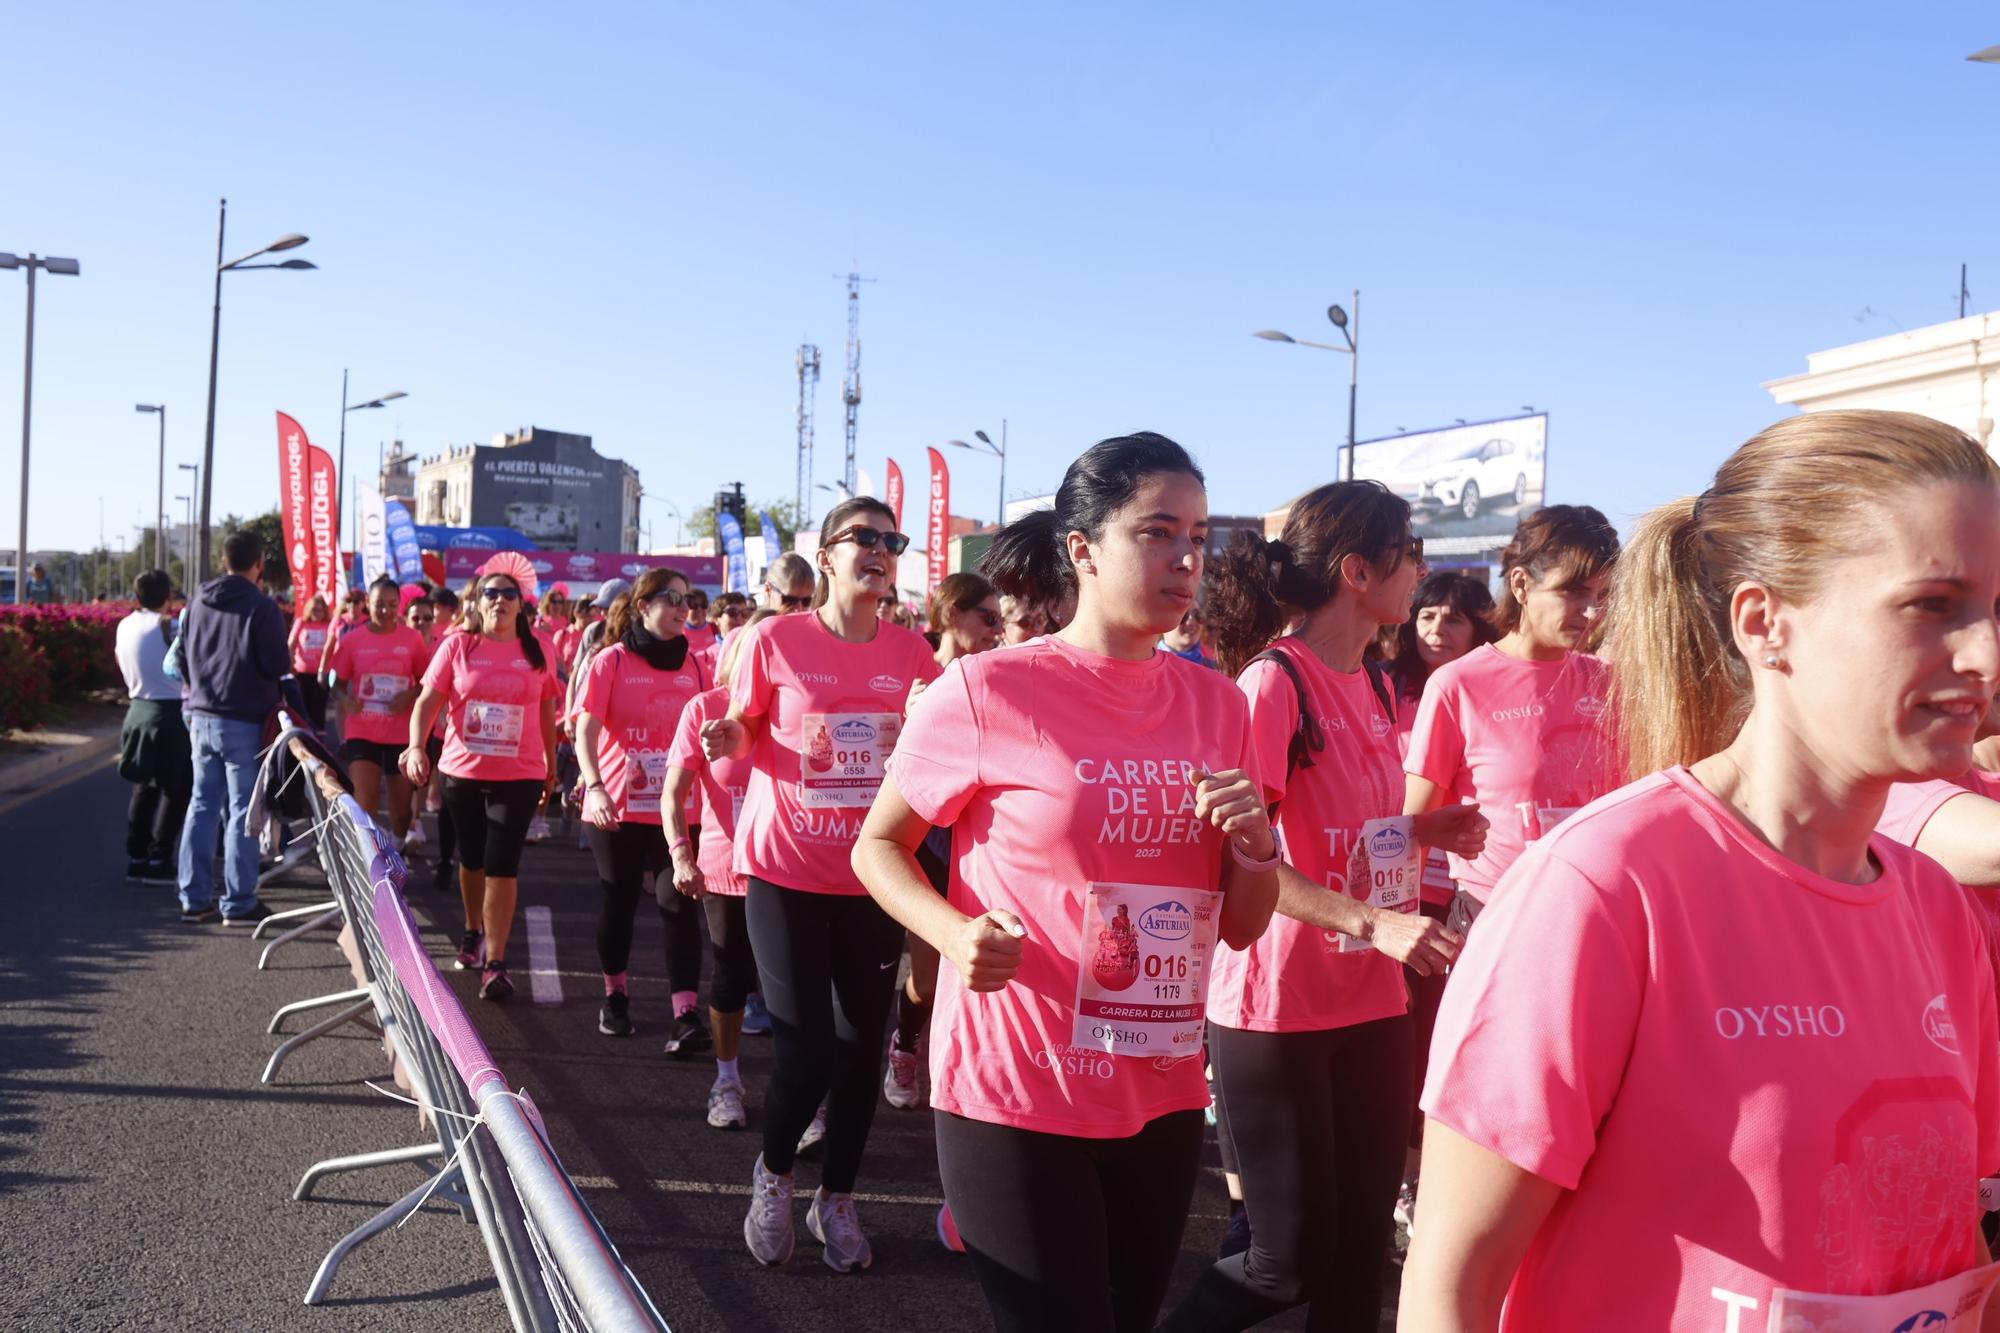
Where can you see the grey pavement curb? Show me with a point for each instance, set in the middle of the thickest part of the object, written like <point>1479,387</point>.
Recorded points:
<point>19,777</point>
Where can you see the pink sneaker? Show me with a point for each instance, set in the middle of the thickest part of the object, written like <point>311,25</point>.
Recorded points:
<point>948,1231</point>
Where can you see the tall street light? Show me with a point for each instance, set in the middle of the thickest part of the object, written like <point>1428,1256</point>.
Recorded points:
<point>340,467</point>
<point>33,263</point>
<point>672,508</point>
<point>289,241</point>
<point>1352,333</point>
<point>159,496</point>
<point>194,488</point>
<point>999,451</point>
<point>188,540</point>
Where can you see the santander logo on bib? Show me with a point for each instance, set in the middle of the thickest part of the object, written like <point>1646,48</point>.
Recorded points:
<point>885,684</point>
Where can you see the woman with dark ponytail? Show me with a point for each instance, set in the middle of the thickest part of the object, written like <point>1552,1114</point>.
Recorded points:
<point>1309,1028</point>
<point>1106,834</point>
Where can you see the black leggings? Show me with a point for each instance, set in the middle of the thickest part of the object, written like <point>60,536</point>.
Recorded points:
<point>729,944</point>
<point>828,966</point>
<point>1069,1233</point>
<point>630,858</point>
<point>491,819</point>
<point>1320,1120</point>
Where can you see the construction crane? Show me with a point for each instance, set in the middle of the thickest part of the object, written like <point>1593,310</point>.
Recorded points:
<point>850,387</point>
<point>807,363</point>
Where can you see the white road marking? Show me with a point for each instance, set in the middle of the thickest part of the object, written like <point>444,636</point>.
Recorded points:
<point>543,978</point>
<point>709,1187</point>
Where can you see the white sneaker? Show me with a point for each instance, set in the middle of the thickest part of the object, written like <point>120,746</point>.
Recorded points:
<point>899,1082</point>
<point>416,836</point>
<point>834,1223</point>
<point>538,828</point>
<point>767,1229</point>
<point>810,1140</point>
<point>725,1106</point>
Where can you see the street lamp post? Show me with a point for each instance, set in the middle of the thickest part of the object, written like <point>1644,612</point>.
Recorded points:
<point>1351,331</point>
<point>289,241</point>
<point>340,465</point>
<point>160,495</point>
<point>32,263</point>
<point>672,508</point>
<point>194,488</point>
<point>999,451</point>
<point>189,500</point>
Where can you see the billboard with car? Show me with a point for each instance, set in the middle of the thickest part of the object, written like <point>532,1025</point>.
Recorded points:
<point>1470,481</point>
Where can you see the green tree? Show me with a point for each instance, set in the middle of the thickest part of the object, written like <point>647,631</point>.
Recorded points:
<point>784,513</point>
<point>269,526</point>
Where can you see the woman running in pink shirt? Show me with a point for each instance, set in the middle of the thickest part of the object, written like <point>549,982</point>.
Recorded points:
<point>1720,1058</point>
<point>817,704</point>
<point>1108,833</point>
<point>376,670</point>
<point>1516,727</point>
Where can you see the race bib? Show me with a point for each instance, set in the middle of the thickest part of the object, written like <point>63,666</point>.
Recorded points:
<point>1538,821</point>
<point>645,780</point>
<point>493,728</point>
<point>379,691</point>
<point>843,758</point>
<point>312,639</point>
<point>1951,1306</point>
<point>1142,975</point>
<point>1388,855</point>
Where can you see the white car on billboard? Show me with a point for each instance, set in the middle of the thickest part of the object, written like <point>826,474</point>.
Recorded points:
<point>1463,477</point>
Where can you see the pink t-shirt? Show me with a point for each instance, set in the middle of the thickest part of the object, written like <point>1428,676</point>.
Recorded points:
<point>1295,978</point>
<point>1909,809</point>
<point>1438,884</point>
<point>493,709</point>
<point>719,785</point>
<point>1058,768</point>
<point>1525,740</point>
<point>374,669</point>
<point>639,707</point>
<point>309,645</point>
<point>702,636</point>
<point>1744,1074</point>
<point>832,711</point>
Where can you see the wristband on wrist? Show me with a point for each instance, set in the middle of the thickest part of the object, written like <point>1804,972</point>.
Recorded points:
<point>1251,863</point>
<point>677,844</point>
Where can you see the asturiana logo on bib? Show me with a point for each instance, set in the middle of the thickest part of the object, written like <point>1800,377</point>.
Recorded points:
<point>1939,1027</point>
<point>854,731</point>
<point>1167,921</point>
<point>1388,844</point>
<point>885,684</point>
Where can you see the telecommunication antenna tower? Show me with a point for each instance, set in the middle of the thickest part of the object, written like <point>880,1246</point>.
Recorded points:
<point>807,362</point>
<point>850,387</point>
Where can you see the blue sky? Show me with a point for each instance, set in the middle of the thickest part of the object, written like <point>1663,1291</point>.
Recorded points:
<point>621,219</point>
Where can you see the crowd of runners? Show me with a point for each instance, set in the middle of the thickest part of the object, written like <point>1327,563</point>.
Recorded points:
<point>1659,878</point>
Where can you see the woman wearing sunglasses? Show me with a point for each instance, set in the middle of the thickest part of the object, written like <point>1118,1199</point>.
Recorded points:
<point>498,694</point>
<point>817,703</point>
<point>964,619</point>
<point>630,701</point>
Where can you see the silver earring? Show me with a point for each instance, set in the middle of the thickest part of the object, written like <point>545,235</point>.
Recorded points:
<point>1771,660</point>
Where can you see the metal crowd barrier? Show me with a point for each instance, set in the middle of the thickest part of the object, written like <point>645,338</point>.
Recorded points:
<point>556,1267</point>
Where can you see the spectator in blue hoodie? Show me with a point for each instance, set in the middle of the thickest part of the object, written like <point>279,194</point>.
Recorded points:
<point>233,656</point>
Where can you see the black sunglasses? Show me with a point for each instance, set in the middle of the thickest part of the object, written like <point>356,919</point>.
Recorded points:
<point>671,596</point>
<point>791,603</point>
<point>496,593</point>
<point>868,539</point>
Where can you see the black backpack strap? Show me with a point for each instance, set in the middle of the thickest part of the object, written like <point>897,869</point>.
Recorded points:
<point>1378,676</point>
<point>1307,739</point>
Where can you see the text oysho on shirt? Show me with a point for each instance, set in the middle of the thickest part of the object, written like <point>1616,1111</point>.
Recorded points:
<point>719,785</point>
<point>832,712</point>
<point>377,669</point>
<point>1296,977</point>
<point>639,707</point>
<point>1059,770</point>
<point>1524,739</point>
<point>493,709</point>
<point>1744,1075</point>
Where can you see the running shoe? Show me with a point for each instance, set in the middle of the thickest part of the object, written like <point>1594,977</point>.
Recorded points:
<point>1406,1204</point>
<point>257,912</point>
<point>135,871</point>
<point>469,952</point>
<point>416,837</point>
<point>947,1230</point>
<point>725,1105</point>
<point>756,1018</point>
<point>195,916</point>
<point>835,1224</point>
<point>496,987</point>
<point>815,1135</point>
<point>1236,1239</point>
<point>899,1081</point>
<point>690,1035</point>
<point>159,872</point>
<point>767,1228</point>
<point>538,828</point>
<point>614,1019</point>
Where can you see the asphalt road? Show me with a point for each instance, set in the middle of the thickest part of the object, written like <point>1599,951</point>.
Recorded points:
<point>145,1174</point>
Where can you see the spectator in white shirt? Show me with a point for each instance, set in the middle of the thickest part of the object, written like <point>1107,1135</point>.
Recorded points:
<point>154,754</point>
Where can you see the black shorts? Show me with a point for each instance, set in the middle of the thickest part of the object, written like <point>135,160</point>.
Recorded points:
<point>434,748</point>
<point>383,755</point>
